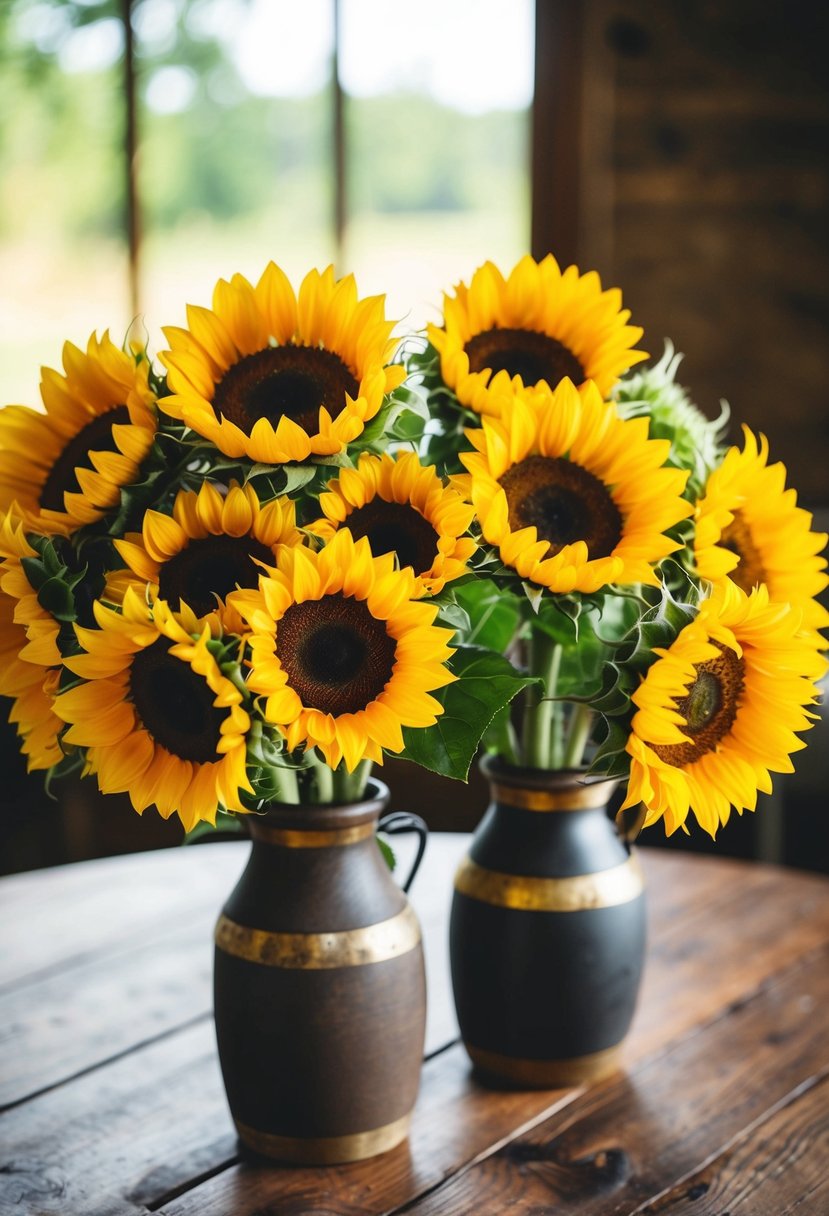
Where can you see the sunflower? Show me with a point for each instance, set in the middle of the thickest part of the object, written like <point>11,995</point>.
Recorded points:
<point>405,509</point>
<point>718,710</point>
<point>211,545</point>
<point>573,496</point>
<point>157,717</point>
<point>539,324</point>
<point>40,630</point>
<point>31,688</point>
<point>343,653</point>
<point>66,468</point>
<point>750,528</point>
<point>276,377</point>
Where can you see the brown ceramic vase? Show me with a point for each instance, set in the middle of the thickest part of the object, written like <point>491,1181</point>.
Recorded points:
<point>547,935</point>
<point>320,993</point>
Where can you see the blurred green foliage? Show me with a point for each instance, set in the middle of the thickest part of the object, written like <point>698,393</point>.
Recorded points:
<point>226,153</point>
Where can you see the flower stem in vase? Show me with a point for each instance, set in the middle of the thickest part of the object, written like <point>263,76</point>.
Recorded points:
<point>323,781</point>
<point>541,711</point>
<point>581,724</point>
<point>284,784</point>
<point>349,787</point>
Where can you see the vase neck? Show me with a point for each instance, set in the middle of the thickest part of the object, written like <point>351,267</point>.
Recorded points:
<point>319,825</point>
<point>532,789</point>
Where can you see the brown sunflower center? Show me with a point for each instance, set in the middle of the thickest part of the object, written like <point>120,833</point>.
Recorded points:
<point>338,658</point>
<point>524,353</point>
<point>96,436</point>
<point>709,708</point>
<point>210,567</point>
<point>175,704</point>
<point>737,538</point>
<point>564,502</point>
<point>284,382</point>
<point>395,527</point>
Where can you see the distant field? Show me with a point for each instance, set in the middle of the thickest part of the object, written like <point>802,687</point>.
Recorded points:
<point>50,294</point>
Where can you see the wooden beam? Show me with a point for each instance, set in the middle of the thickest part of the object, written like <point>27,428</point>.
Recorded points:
<point>556,159</point>
<point>338,138</point>
<point>132,217</point>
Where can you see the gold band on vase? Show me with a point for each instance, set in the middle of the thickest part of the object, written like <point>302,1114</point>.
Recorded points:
<point>604,889</point>
<point>318,951</point>
<point>325,1150</point>
<point>579,797</point>
<point>547,1074</point>
<point>300,838</point>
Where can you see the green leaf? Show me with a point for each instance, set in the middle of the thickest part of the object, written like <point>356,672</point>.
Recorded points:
<point>57,598</point>
<point>610,758</point>
<point>402,416</point>
<point>494,615</point>
<point>265,749</point>
<point>408,427</point>
<point>273,480</point>
<point>387,851</point>
<point>33,568</point>
<point>336,460</point>
<point>452,616</point>
<point>486,683</point>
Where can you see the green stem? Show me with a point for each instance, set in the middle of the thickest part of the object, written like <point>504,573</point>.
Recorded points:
<point>581,724</point>
<point>544,661</point>
<point>323,782</point>
<point>350,787</point>
<point>285,785</point>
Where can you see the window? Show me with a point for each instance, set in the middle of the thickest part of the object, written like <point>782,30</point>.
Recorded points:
<point>211,135</point>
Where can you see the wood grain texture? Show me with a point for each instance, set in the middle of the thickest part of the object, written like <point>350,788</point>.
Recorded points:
<point>719,181</point>
<point>57,919</point>
<point>454,1120</point>
<point>62,1024</point>
<point>774,1168</point>
<point>154,962</point>
<point>618,1145</point>
<point>457,1120</point>
<point>149,1130</point>
<point>119,1137</point>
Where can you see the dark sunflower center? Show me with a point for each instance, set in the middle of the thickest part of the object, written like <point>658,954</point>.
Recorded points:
<point>709,708</point>
<point>737,538</point>
<point>394,527</point>
<point>284,382</point>
<point>524,353</point>
<point>564,503</point>
<point>96,436</point>
<point>175,704</point>
<point>338,658</point>
<point>211,567</point>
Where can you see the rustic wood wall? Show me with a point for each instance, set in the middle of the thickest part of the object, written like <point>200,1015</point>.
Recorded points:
<point>702,177</point>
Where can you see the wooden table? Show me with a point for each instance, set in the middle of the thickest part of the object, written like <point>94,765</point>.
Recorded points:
<point>112,1100</point>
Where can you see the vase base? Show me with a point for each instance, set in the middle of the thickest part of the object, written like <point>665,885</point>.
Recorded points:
<point>546,1074</point>
<point>325,1150</point>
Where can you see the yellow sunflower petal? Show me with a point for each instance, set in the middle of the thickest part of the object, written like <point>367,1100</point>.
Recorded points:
<point>539,325</point>
<point>317,364</point>
<point>558,499</point>
<point>158,717</point>
<point>345,655</point>
<point>66,468</point>
<point>750,529</point>
<point>704,737</point>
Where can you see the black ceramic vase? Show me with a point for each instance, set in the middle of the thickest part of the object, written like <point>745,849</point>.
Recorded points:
<point>547,934</point>
<point>320,996</point>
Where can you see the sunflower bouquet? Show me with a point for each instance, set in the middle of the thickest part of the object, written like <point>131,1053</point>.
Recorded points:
<point>247,577</point>
<point>656,588</point>
<point>220,584</point>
